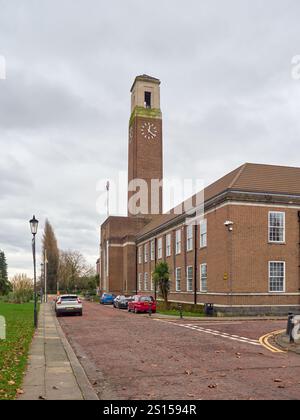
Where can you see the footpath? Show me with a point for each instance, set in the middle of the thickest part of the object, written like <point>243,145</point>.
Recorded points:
<point>54,372</point>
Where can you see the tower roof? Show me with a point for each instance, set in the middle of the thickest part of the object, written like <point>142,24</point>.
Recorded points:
<point>145,78</point>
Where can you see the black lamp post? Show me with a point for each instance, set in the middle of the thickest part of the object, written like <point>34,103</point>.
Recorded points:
<point>34,227</point>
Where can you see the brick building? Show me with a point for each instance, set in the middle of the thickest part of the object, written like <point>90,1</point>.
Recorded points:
<point>243,256</point>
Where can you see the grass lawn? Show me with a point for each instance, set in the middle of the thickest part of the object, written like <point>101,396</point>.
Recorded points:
<point>14,350</point>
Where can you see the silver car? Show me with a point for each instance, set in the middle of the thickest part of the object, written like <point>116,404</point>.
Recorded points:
<point>68,304</point>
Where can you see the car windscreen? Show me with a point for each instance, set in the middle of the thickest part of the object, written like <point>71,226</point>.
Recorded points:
<point>146,299</point>
<point>68,298</point>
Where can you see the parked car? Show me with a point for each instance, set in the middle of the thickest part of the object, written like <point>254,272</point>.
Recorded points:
<point>121,302</point>
<point>68,304</point>
<point>107,299</point>
<point>142,304</point>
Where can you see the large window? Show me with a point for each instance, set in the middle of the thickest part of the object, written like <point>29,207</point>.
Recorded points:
<point>140,255</point>
<point>277,276</point>
<point>146,285</point>
<point>189,279</point>
<point>146,253</point>
<point>152,250</point>
<point>276,226</point>
<point>178,279</point>
<point>168,245</point>
<point>178,242</point>
<point>203,277</point>
<point>159,248</point>
<point>189,238</point>
<point>203,233</point>
<point>140,282</point>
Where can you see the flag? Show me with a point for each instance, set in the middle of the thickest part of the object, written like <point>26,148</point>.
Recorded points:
<point>107,186</point>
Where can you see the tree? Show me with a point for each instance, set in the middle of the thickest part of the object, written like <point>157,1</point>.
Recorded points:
<point>22,288</point>
<point>5,286</point>
<point>161,278</point>
<point>73,268</point>
<point>51,248</point>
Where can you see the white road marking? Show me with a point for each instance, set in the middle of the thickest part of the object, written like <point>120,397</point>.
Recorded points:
<point>220,334</point>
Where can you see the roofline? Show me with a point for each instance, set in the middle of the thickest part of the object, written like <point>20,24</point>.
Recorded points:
<point>217,200</point>
<point>145,78</point>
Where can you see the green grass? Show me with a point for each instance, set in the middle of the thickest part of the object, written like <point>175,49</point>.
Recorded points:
<point>14,350</point>
<point>175,312</point>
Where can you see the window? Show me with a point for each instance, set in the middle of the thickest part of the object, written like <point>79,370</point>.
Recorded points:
<point>178,242</point>
<point>147,99</point>
<point>140,281</point>
<point>146,253</point>
<point>146,281</point>
<point>152,250</point>
<point>276,226</point>
<point>159,250</point>
<point>203,233</point>
<point>152,284</point>
<point>178,279</point>
<point>140,255</point>
<point>168,245</point>
<point>277,276</point>
<point>189,279</point>
<point>203,277</point>
<point>189,238</point>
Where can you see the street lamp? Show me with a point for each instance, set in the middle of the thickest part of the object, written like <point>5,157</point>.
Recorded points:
<point>34,227</point>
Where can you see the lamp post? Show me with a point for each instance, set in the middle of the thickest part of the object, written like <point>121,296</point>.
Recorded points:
<point>34,227</point>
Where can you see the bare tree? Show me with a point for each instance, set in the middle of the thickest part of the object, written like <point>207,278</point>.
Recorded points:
<point>72,268</point>
<point>50,245</point>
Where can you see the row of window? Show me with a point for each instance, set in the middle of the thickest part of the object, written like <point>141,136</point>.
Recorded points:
<point>178,241</point>
<point>277,271</point>
<point>276,234</point>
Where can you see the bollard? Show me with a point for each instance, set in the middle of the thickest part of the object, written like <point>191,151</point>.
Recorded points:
<point>180,311</point>
<point>290,326</point>
<point>150,310</point>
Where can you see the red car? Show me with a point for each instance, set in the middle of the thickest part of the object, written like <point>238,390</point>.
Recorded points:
<point>142,304</point>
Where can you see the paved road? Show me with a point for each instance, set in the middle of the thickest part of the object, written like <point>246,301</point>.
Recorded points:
<point>128,356</point>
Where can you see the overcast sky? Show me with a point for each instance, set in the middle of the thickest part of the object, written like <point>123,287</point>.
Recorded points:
<point>227,97</point>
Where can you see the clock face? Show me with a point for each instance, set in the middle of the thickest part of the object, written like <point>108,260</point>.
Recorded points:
<point>149,130</point>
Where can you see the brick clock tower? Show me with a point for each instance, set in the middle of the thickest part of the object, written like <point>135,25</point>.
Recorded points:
<point>145,158</point>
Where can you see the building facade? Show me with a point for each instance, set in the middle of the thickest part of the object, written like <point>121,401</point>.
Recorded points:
<point>243,255</point>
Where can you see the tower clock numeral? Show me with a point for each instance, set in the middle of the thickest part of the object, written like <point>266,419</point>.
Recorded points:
<point>149,130</point>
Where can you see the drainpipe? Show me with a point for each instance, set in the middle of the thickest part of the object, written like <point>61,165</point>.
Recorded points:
<point>299,250</point>
<point>195,264</point>
<point>136,268</point>
<point>155,261</point>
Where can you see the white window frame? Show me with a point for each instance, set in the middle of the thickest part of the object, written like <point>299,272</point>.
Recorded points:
<point>202,289</point>
<point>178,241</point>
<point>152,246</point>
<point>140,282</point>
<point>159,248</point>
<point>168,245</point>
<point>188,279</point>
<point>189,238</point>
<point>140,255</point>
<point>152,284</point>
<point>146,281</point>
<point>203,233</point>
<point>178,280</point>
<point>284,277</point>
<point>146,253</point>
<point>274,227</point>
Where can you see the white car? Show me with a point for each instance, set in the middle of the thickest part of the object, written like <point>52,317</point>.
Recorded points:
<point>68,304</point>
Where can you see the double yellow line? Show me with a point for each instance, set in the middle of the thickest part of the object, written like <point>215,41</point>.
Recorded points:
<point>264,341</point>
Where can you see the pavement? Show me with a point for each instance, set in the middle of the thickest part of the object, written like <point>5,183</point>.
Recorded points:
<point>138,357</point>
<point>54,372</point>
<point>283,341</point>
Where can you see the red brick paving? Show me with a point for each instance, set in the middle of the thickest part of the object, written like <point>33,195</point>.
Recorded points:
<point>141,358</point>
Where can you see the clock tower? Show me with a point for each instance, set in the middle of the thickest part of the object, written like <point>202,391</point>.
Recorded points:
<point>145,157</point>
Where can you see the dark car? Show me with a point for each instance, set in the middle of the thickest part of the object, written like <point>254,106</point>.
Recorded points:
<point>121,302</point>
<point>107,299</point>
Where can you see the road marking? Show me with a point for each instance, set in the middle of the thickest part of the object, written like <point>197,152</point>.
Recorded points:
<point>264,341</point>
<point>215,333</point>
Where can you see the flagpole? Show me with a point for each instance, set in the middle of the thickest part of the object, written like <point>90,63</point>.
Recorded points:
<point>107,201</point>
